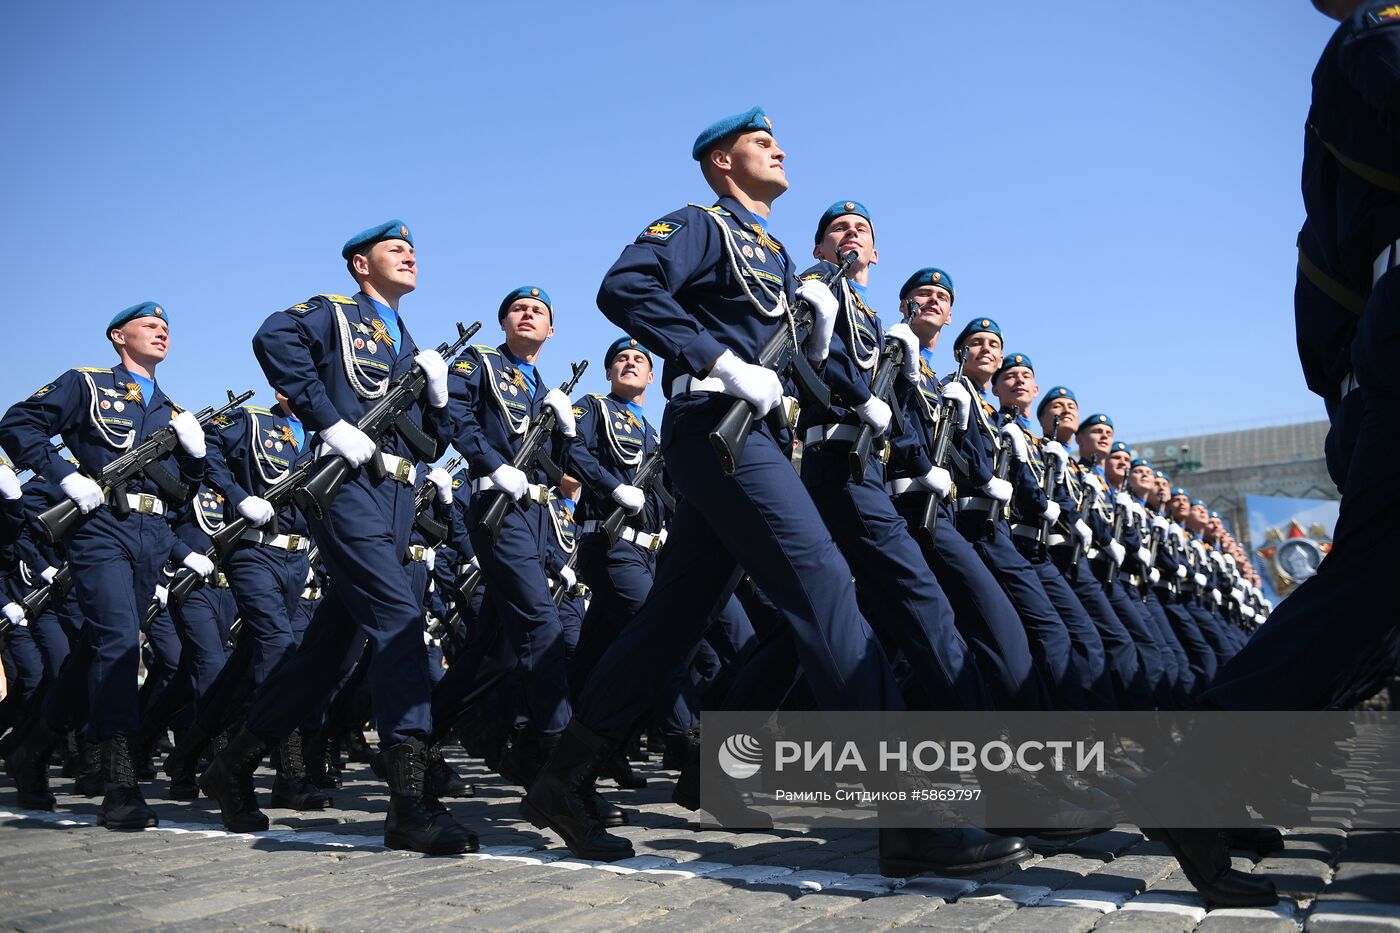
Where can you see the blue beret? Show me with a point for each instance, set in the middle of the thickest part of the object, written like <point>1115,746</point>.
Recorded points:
<point>1180,491</point>
<point>980,325</point>
<point>753,119</point>
<point>1092,420</point>
<point>928,276</point>
<point>1214,514</point>
<point>841,209</point>
<point>1160,474</point>
<point>1011,361</point>
<point>1056,392</point>
<point>1137,461</point>
<point>144,309</point>
<point>620,344</point>
<point>1120,447</point>
<point>525,291</point>
<point>1196,502</point>
<point>389,230</point>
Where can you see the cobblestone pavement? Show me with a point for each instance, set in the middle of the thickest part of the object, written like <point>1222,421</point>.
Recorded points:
<point>327,871</point>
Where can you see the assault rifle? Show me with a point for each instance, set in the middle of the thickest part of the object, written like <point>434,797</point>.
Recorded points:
<point>882,387</point>
<point>388,414</point>
<point>782,352</point>
<point>531,450</point>
<point>942,454</point>
<point>40,597</point>
<point>1047,485</point>
<point>59,520</point>
<point>423,516</point>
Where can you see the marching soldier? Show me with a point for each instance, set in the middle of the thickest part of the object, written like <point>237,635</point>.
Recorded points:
<point>115,554</point>
<point>332,356</point>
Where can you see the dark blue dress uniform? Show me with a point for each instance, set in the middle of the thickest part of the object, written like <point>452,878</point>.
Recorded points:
<point>492,405</point>
<point>983,612</point>
<point>101,413</point>
<point>904,602</point>
<point>330,356</point>
<point>1201,657</point>
<point>613,442</point>
<point>1049,638</point>
<point>205,618</point>
<point>697,282</point>
<point>1028,508</point>
<point>561,546</point>
<point>1349,333</point>
<point>57,628</point>
<point>250,451</point>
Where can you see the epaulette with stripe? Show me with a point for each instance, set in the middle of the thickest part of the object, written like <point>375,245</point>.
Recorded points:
<point>94,369</point>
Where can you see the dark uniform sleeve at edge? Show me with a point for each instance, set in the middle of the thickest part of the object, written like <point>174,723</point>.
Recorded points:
<point>286,346</point>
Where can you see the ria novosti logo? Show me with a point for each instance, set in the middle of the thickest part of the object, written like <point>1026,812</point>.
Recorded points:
<point>740,756</point>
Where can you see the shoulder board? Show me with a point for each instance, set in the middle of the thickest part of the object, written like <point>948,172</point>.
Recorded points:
<point>1387,14</point>
<point>338,299</point>
<point>94,369</point>
<point>809,276</point>
<point>484,349</point>
<point>598,395</point>
<point>258,409</point>
<point>711,209</point>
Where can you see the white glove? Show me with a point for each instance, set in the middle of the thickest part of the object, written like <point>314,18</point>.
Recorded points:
<point>874,412</point>
<point>563,409</point>
<point>998,489</point>
<point>566,573</point>
<point>1144,557</point>
<point>83,491</point>
<point>1138,513</point>
<point>1230,562</point>
<point>1200,580</point>
<point>824,307</point>
<point>1123,500</point>
<point>435,368</point>
<point>1181,571</point>
<point>14,612</point>
<point>9,483</point>
<point>1018,441</point>
<point>1086,534</point>
<point>1161,524</point>
<point>257,510</point>
<point>189,432</point>
<point>310,575</point>
<point>1199,549</point>
<point>1117,552</point>
<point>1054,450</point>
<point>909,368</point>
<point>440,478</point>
<point>1093,479</point>
<point>630,498</point>
<point>938,481</point>
<point>430,561</point>
<point>1179,533</point>
<point>1237,595</point>
<point>956,391</point>
<point>48,574</point>
<point>1154,576</point>
<point>199,564</point>
<point>162,596</point>
<point>510,481</point>
<point>349,442</point>
<point>757,385</point>
<point>1216,597</point>
<point>1247,612</point>
<point>1052,511</point>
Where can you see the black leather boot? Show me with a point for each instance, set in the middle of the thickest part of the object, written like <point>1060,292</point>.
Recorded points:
<point>322,769</point>
<point>1018,789</point>
<point>1205,860</point>
<point>1261,840</point>
<point>521,762</point>
<point>228,781</point>
<point>604,810</point>
<point>418,822</point>
<point>674,752</point>
<point>560,797</point>
<point>620,770</point>
<point>723,802</point>
<point>89,782</point>
<point>182,764</point>
<point>28,767</point>
<point>291,789</point>
<point>72,755</point>
<point>959,850</point>
<point>443,780</point>
<point>123,807</point>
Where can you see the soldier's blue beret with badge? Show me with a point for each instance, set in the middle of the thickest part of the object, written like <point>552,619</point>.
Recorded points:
<point>1013,361</point>
<point>144,309</point>
<point>1214,514</point>
<point>841,209</point>
<point>1056,393</point>
<point>1159,473</point>
<point>525,291</point>
<point>929,275</point>
<point>389,230</point>
<point>620,344</point>
<point>1180,491</point>
<point>1092,420</point>
<point>1138,461</point>
<point>1120,447</point>
<point>749,120</point>
<point>978,325</point>
<point>1196,502</point>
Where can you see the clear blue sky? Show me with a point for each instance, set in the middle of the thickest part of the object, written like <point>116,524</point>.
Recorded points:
<point>1115,182</point>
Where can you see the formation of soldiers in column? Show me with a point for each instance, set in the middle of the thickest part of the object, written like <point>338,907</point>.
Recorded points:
<point>953,537</point>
